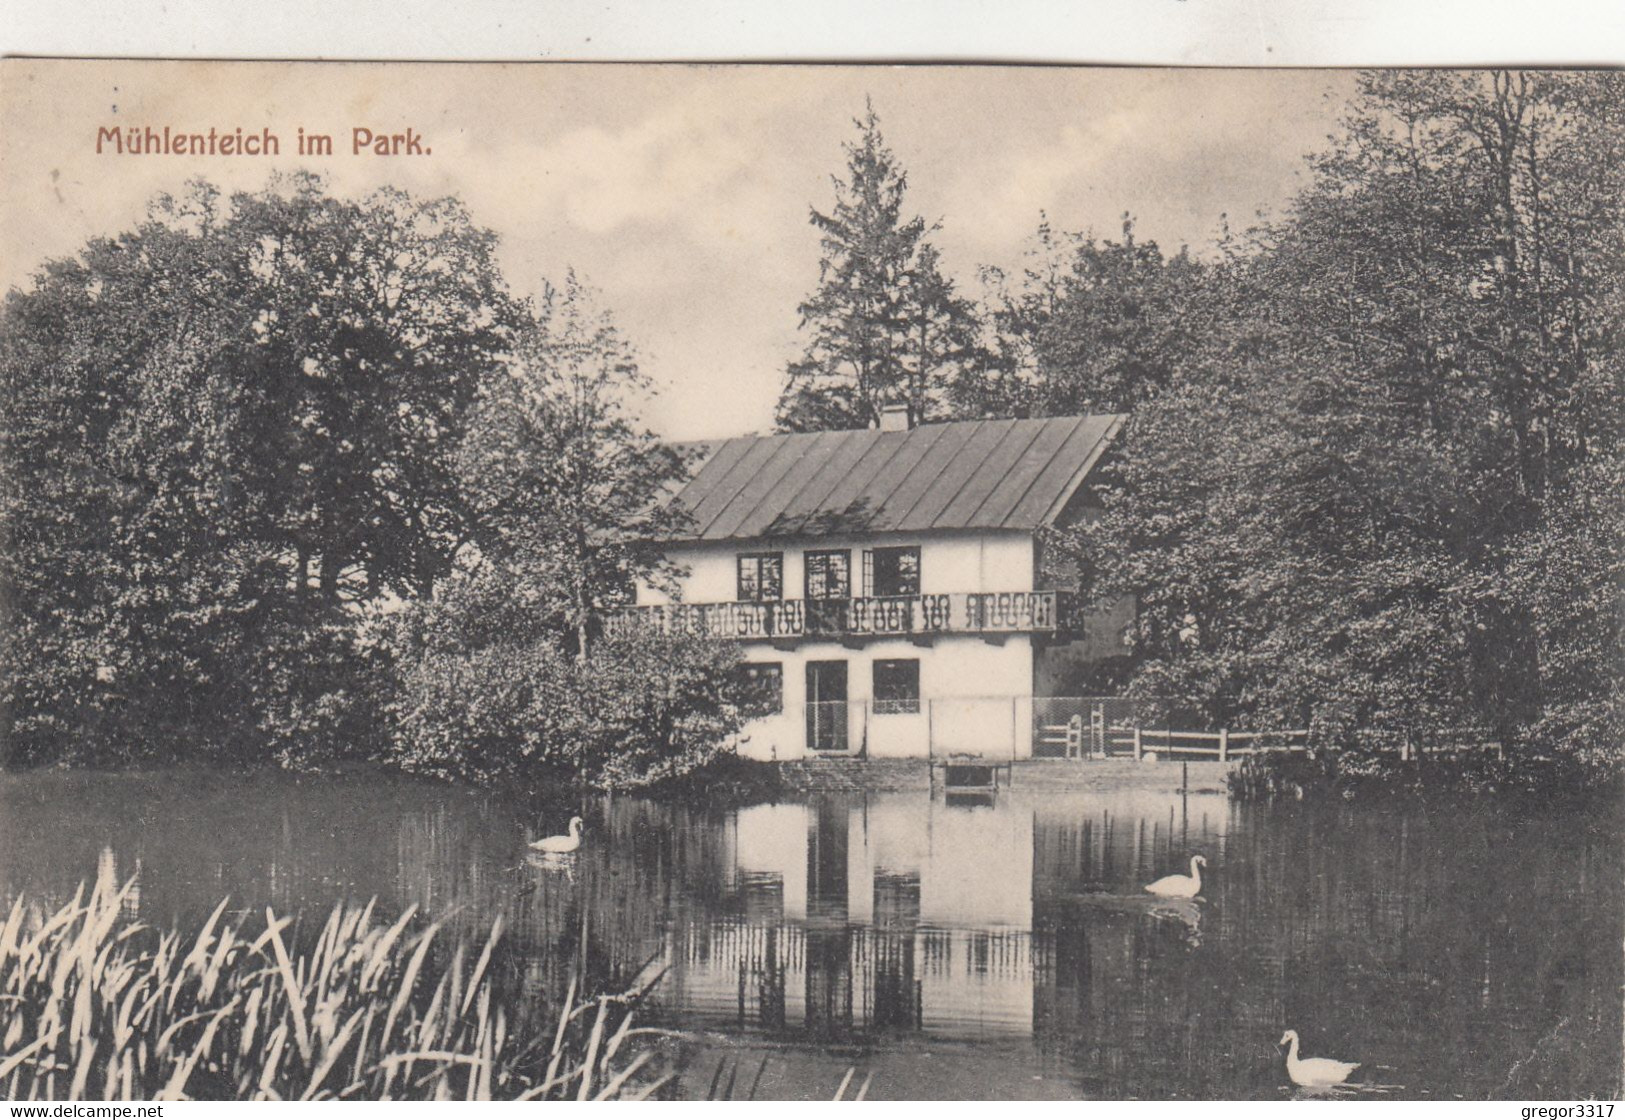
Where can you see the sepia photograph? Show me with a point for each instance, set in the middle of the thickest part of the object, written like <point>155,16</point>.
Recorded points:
<point>724,582</point>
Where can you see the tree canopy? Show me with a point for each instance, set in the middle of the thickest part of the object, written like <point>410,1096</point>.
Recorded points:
<point>287,475</point>
<point>501,674</point>
<point>1371,490</point>
<point>1087,326</point>
<point>226,428</point>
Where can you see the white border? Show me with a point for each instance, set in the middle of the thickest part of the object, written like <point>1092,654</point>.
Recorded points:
<point>1154,32</point>
<point>1166,32</point>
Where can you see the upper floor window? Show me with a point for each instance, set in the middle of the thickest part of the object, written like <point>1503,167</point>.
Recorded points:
<point>829,574</point>
<point>892,571</point>
<point>761,577</point>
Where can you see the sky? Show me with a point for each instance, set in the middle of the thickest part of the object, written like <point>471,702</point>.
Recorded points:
<point>681,193</point>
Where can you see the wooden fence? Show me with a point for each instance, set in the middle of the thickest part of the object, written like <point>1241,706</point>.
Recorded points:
<point>1222,744</point>
<point>1225,745</point>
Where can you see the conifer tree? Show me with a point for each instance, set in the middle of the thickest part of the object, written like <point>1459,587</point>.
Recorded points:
<point>885,324</point>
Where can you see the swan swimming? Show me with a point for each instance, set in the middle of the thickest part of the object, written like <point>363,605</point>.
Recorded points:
<point>1180,886</point>
<point>561,844</point>
<point>1314,1073</point>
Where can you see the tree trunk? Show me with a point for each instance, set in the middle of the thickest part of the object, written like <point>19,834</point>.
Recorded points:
<point>582,598</point>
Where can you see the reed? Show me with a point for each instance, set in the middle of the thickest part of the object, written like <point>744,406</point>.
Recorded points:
<point>96,1005</point>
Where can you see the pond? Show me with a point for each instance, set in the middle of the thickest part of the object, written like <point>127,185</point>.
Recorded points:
<point>987,950</point>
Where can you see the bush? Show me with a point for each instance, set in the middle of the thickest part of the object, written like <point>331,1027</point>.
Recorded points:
<point>729,780</point>
<point>513,706</point>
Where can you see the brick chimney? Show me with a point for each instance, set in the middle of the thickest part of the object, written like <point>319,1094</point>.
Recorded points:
<point>895,418</point>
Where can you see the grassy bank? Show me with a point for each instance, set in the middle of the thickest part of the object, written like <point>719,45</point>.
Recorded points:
<point>726,780</point>
<point>1354,775</point>
<point>96,1005</point>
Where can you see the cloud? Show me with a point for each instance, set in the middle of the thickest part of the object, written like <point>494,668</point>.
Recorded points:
<point>682,192</point>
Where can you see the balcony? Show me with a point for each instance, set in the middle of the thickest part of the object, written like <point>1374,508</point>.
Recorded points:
<point>966,612</point>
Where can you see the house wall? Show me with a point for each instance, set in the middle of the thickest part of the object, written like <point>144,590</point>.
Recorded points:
<point>976,694</point>
<point>975,697</point>
<point>1065,668</point>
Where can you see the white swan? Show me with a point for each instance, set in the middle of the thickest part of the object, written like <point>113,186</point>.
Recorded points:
<point>1314,1073</point>
<point>1180,886</point>
<point>561,844</point>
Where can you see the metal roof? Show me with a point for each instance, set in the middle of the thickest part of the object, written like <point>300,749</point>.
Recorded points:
<point>973,474</point>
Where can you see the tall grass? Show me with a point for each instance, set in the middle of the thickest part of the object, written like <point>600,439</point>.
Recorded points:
<point>96,1005</point>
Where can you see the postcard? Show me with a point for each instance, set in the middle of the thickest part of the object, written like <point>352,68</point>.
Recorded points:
<point>775,582</point>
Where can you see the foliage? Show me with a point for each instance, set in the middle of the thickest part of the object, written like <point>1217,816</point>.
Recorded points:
<point>501,676</point>
<point>1569,570</point>
<point>729,779</point>
<point>99,1007</point>
<point>282,465</point>
<point>226,429</point>
<point>562,481</point>
<point>886,326</point>
<point>518,708</point>
<point>276,465</point>
<point>1087,326</point>
<point>1379,487</point>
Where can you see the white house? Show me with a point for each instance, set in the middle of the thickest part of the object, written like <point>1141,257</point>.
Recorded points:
<point>885,584</point>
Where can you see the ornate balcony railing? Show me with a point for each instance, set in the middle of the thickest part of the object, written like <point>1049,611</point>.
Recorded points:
<point>966,612</point>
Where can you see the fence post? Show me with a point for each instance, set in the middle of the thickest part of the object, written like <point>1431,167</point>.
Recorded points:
<point>1224,744</point>
<point>1138,750</point>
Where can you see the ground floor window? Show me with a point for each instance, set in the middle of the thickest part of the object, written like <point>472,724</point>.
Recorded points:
<point>764,683</point>
<point>897,686</point>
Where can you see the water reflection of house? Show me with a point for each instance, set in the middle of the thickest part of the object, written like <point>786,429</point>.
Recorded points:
<point>1064,962</point>
<point>861,916</point>
<point>896,912</point>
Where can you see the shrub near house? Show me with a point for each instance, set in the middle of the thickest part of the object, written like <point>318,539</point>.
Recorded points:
<point>635,711</point>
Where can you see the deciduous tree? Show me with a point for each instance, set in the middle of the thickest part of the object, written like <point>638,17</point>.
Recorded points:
<point>1088,326</point>
<point>227,430</point>
<point>1361,502</point>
